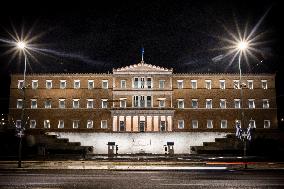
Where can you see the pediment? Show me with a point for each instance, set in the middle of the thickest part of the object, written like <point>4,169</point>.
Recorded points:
<point>142,68</point>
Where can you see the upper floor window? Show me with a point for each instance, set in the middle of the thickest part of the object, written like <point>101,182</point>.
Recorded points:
<point>142,101</point>
<point>194,124</point>
<point>208,84</point>
<point>223,124</point>
<point>76,84</point>
<point>75,124</point>
<point>34,84</point>
<point>90,84</point>
<point>60,124</point>
<point>62,84</point>
<point>264,84</point>
<point>180,103</point>
<point>48,84</point>
<point>237,103</point>
<point>149,82</point>
<point>194,103</point>
<point>149,101</point>
<point>33,103</point>
<point>19,103</point>
<point>18,123</point>
<point>208,103</point>
<point>222,84</point>
<point>141,82</point>
<point>236,84</point>
<point>162,102</point>
<point>105,84</point>
<point>222,103</point>
<point>161,84</point>
<point>265,103</point>
<point>250,84</point>
<point>180,84</point>
<point>194,84</point>
<point>266,123</point>
<point>46,123</point>
<point>122,84</point>
<point>181,124</point>
<point>61,103</point>
<point>76,103</point>
<point>90,124</point>
<point>20,84</point>
<point>32,124</point>
<point>123,102</point>
<point>104,103</point>
<point>209,124</point>
<point>47,103</point>
<point>104,124</point>
<point>252,123</point>
<point>251,103</point>
<point>90,103</point>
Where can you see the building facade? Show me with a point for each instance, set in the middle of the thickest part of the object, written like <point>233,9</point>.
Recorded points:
<point>143,100</point>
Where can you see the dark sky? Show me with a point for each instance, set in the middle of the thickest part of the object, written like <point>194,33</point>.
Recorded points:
<point>176,34</point>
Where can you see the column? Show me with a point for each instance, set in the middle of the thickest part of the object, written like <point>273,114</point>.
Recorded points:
<point>156,123</point>
<point>135,123</point>
<point>114,123</point>
<point>128,123</point>
<point>149,123</point>
<point>170,123</point>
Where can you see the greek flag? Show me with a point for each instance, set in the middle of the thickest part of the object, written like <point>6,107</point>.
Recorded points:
<point>238,131</point>
<point>249,132</point>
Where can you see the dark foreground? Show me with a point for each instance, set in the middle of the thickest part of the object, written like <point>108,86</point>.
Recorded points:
<point>86,179</point>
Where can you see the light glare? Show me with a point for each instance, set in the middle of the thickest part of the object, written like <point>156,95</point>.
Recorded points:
<point>243,45</point>
<point>21,45</point>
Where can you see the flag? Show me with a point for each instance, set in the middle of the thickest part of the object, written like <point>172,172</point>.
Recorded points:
<point>238,131</point>
<point>142,53</point>
<point>249,132</point>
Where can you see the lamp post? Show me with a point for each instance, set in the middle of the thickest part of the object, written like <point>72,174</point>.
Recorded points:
<point>21,45</point>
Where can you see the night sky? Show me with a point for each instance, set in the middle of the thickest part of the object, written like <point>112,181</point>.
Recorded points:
<point>183,35</point>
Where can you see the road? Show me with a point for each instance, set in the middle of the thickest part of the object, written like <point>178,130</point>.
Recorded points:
<point>87,179</point>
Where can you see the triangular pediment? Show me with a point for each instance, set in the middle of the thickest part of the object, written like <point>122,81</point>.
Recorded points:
<point>142,68</point>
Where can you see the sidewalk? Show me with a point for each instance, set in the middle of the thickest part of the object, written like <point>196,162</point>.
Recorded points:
<point>131,165</point>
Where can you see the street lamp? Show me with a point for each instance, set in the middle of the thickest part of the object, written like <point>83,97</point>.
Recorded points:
<point>22,47</point>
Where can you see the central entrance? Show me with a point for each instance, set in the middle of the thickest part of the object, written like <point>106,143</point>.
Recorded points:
<point>142,126</point>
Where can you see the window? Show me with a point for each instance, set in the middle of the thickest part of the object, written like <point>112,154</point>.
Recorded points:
<point>266,123</point>
<point>123,84</point>
<point>123,103</point>
<point>61,103</point>
<point>105,84</point>
<point>62,84</point>
<point>179,84</point>
<point>209,124</point>
<point>33,103</point>
<point>223,124</point>
<point>250,84</point>
<point>149,83</point>
<point>46,124</point>
<point>76,84</point>
<point>142,101</point>
<point>161,103</point>
<point>121,126</point>
<point>194,103</point>
<point>162,125</point>
<point>48,84</point>
<point>161,84</point>
<point>180,103</point>
<point>47,103</point>
<point>20,84</point>
<point>90,103</point>
<point>252,123</point>
<point>104,103</point>
<point>208,84</point>
<point>194,124</point>
<point>222,84</point>
<point>32,124</point>
<point>149,101</point>
<point>251,103</point>
<point>135,83</point>
<point>222,103</point>
<point>208,103</point>
<point>142,83</point>
<point>237,103</point>
<point>89,124</point>
<point>236,84</point>
<point>104,124</point>
<point>34,84</point>
<point>60,124</point>
<point>181,124</point>
<point>90,84</point>
<point>135,101</point>
<point>75,124</point>
<point>265,103</point>
<point>264,84</point>
<point>76,103</point>
<point>18,123</point>
<point>194,84</point>
<point>19,103</point>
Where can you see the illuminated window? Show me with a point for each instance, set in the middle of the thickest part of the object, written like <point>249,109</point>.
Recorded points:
<point>89,124</point>
<point>18,123</point>
<point>104,124</point>
<point>266,123</point>
<point>194,84</point>
<point>46,124</point>
<point>34,84</point>
<point>75,124</point>
<point>61,103</point>
<point>236,84</point>
<point>76,84</point>
<point>76,103</point>
<point>209,124</point>
<point>104,103</point>
<point>194,124</point>
<point>250,84</point>
<point>20,84</point>
<point>179,84</point>
<point>180,103</point>
<point>265,103</point>
<point>19,103</point>
<point>123,84</point>
<point>62,84</point>
<point>222,103</point>
<point>237,103</point>
<point>60,124</point>
<point>264,84</point>
<point>181,124</point>
<point>33,103</point>
<point>90,84</point>
<point>90,103</point>
<point>252,123</point>
<point>222,84</point>
<point>105,84</point>
<point>194,103</point>
<point>48,84</point>
<point>251,103</point>
<point>32,124</point>
<point>208,84</point>
<point>223,124</point>
<point>208,103</point>
<point>47,103</point>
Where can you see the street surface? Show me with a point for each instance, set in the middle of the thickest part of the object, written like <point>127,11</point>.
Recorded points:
<point>87,179</point>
